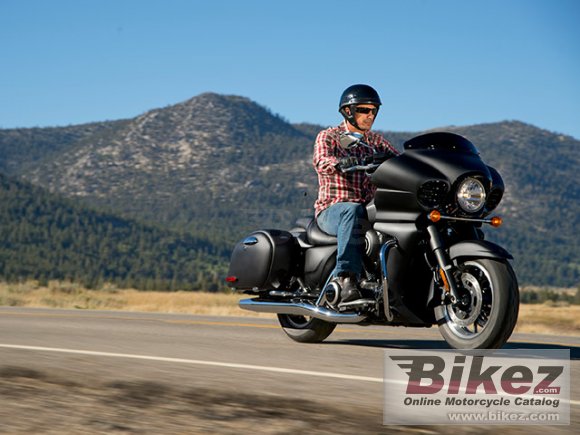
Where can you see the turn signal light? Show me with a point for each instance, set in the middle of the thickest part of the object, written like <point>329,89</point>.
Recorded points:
<point>435,216</point>
<point>496,221</point>
<point>231,279</point>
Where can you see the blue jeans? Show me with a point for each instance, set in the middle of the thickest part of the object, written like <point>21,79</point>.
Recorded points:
<point>343,220</point>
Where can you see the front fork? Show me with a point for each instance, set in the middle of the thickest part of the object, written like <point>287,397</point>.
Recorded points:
<point>445,266</point>
<point>383,255</point>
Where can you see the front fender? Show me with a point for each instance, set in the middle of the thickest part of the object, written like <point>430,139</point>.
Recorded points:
<point>478,249</point>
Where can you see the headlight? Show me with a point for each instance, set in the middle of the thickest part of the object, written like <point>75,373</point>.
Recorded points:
<point>471,195</point>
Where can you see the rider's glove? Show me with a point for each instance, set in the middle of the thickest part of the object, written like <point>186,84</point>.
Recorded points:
<point>346,163</point>
<point>380,156</point>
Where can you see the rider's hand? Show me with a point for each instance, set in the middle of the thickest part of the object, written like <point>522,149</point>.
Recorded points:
<point>347,162</point>
<point>380,157</point>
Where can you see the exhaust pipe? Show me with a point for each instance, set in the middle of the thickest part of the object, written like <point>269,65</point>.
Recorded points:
<point>300,309</point>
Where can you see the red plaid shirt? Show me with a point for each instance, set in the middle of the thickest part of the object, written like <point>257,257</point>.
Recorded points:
<point>335,186</point>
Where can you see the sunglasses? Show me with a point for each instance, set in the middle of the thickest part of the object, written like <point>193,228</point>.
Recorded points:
<point>366,110</point>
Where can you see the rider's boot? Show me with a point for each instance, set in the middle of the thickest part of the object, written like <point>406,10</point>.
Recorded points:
<point>348,290</point>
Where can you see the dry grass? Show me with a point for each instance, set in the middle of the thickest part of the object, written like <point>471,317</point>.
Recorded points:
<point>544,318</point>
<point>549,319</point>
<point>69,295</point>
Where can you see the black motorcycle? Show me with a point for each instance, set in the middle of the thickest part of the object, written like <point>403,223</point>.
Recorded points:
<point>425,259</point>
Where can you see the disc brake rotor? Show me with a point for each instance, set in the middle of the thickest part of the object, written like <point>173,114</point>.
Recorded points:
<point>473,309</point>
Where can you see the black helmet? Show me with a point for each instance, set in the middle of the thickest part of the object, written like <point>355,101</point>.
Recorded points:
<point>357,94</point>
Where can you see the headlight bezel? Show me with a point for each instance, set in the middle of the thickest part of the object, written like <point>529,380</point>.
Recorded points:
<point>471,195</point>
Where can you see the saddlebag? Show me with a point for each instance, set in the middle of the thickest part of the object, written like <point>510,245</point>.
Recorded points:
<point>263,260</point>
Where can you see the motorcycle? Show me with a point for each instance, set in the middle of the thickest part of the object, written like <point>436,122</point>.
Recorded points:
<point>426,261</point>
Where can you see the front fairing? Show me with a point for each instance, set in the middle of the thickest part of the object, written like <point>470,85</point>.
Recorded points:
<point>425,176</point>
<point>410,169</point>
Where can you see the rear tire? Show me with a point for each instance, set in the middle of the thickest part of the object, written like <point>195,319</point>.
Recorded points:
<point>305,329</point>
<point>489,319</point>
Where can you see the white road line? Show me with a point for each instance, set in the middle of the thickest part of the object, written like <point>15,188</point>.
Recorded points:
<point>194,361</point>
<point>215,364</point>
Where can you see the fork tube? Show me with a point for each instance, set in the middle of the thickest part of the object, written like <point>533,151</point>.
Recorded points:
<point>439,250</point>
<point>383,256</point>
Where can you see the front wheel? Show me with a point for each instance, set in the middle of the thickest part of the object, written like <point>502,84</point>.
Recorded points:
<point>305,329</point>
<point>487,312</point>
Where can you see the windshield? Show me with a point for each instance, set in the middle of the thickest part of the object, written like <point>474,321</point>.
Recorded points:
<point>441,141</point>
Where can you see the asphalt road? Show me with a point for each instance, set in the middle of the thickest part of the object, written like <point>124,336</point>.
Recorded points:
<point>237,355</point>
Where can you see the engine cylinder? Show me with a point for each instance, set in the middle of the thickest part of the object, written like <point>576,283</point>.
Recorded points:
<point>373,243</point>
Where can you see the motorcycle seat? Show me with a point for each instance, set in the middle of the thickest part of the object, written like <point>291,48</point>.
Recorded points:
<point>317,237</point>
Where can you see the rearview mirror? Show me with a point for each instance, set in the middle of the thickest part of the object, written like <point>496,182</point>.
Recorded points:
<point>350,140</point>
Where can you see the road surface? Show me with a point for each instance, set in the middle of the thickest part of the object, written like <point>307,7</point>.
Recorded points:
<point>244,363</point>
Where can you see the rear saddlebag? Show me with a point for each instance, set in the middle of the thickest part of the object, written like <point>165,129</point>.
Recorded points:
<point>263,260</point>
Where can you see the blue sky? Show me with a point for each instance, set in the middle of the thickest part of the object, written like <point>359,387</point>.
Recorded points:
<point>435,63</point>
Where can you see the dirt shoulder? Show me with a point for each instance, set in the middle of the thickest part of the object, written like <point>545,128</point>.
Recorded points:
<point>32,402</point>
<point>44,403</point>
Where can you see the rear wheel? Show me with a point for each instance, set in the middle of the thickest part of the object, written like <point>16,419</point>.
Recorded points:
<point>487,312</point>
<point>305,329</point>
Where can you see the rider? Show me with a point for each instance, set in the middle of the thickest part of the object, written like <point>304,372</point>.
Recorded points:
<point>342,196</point>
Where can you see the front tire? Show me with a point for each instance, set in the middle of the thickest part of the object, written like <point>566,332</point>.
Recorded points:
<point>305,329</point>
<point>488,316</point>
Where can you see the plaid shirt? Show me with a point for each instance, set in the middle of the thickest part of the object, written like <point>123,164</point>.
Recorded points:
<point>335,186</point>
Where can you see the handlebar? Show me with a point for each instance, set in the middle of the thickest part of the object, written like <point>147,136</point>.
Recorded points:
<point>369,167</point>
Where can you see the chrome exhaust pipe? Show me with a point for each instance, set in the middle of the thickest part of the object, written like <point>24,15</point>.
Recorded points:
<point>300,309</point>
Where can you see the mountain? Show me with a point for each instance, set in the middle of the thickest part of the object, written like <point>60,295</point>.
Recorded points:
<point>168,165</point>
<point>218,166</point>
<point>46,237</point>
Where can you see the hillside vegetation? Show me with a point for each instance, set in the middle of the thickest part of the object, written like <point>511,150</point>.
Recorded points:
<point>45,237</point>
<point>210,169</point>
